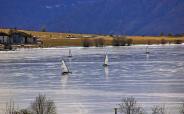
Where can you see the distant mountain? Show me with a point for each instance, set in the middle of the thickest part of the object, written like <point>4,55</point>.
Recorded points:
<point>132,17</point>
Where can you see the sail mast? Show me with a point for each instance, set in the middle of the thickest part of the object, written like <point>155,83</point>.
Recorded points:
<point>147,52</point>
<point>70,53</point>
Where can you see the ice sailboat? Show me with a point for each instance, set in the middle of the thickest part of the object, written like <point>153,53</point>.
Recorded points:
<point>65,69</point>
<point>106,61</point>
<point>70,53</point>
<point>147,51</point>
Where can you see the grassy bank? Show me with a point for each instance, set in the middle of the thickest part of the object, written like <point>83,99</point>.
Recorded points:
<point>52,39</point>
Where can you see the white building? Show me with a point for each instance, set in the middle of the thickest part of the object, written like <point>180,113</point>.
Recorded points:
<point>4,38</point>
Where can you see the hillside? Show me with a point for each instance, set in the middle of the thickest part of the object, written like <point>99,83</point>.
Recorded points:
<point>52,39</point>
<point>131,17</point>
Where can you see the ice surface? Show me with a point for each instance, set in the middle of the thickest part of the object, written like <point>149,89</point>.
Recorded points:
<point>91,88</point>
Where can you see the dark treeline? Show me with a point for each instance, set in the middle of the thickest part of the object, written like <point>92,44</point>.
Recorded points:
<point>177,41</point>
<point>124,41</point>
<point>129,105</point>
<point>171,34</point>
<point>100,42</point>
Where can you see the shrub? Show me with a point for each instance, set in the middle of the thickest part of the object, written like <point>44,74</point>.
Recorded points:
<point>163,41</point>
<point>86,42</point>
<point>115,42</point>
<point>122,41</point>
<point>99,42</point>
<point>24,111</point>
<point>149,42</point>
<point>178,41</point>
<point>119,41</point>
<point>129,42</point>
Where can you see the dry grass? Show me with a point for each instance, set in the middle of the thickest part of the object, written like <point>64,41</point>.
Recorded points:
<point>61,39</point>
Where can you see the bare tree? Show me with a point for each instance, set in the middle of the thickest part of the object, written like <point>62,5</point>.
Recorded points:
<point>158,110</point>
<point>10,108</point>
<point>130,106</point>
<point>43,106</point>
<point>182,109</point>
<point>129,42</point>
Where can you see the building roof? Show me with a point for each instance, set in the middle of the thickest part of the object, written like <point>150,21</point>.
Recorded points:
<point>21,34</point>
<point>3,34</point>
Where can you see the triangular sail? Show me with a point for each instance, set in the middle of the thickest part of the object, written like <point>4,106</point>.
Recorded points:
<point>106,62</point>
<point>64,67</point>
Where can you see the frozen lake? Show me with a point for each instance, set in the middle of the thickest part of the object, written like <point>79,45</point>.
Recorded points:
<point>91,89</point>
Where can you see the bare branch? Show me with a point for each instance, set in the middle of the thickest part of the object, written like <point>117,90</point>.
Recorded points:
<point>129,106</point>
<point>43,106</point>
<point>158,110</point>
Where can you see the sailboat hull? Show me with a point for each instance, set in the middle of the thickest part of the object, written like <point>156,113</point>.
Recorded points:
<point>64,73</point>
<point>105,65</point>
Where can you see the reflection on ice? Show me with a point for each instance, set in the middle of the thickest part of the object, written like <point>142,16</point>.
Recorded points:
<point>106,69</point>
<point>64,80</point>
<point>147,57</point>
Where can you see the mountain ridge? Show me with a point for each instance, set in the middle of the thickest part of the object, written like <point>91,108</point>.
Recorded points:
<point>131,17</point>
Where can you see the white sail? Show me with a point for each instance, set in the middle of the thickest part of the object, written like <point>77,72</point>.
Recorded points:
<point>70,53</point>
<point>64,67</point>
<point>106,62</point>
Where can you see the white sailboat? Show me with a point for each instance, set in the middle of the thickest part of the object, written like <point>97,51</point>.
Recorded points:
<point>147,52</point>
<point>70,53</point>
<point>106,61</point>
<point>64,68</point>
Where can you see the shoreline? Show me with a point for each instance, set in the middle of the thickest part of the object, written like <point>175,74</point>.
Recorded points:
<point>81,47</point>
<point>54,39</point>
